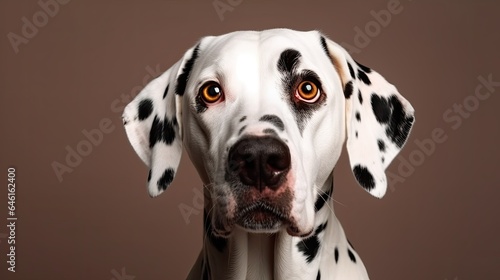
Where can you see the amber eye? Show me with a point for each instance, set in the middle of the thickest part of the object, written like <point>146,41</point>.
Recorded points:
<point>211,92</point>
<point>307,91</point>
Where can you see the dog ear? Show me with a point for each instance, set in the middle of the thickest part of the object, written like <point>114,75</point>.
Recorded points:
<point>153,122</point>
<point>378,119</point>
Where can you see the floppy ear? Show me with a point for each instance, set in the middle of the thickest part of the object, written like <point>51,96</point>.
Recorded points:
<point>153,123</point>
<point>378,119</point>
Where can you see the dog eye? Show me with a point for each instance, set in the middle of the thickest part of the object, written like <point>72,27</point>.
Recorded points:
<point>211,92</point>
<point>307,91</point>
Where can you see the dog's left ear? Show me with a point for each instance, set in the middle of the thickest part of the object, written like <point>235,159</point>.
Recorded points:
<point>153,122</point>
<point>378,119</point>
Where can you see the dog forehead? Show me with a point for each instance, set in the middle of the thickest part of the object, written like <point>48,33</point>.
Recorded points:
<point>259,46</point>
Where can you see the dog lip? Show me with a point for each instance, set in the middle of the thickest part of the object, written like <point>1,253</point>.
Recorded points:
<point>263,207</point>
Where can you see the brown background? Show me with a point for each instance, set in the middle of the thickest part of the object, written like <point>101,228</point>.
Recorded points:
<point>440,223</point>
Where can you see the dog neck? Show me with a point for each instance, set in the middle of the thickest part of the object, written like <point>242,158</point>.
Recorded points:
<point>246,255</point>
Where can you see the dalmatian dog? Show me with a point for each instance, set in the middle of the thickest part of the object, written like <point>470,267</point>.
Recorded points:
<point>263,116</point>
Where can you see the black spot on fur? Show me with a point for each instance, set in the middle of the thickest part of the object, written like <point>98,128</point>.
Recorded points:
<point>351,255</point>
<point>243,118</point>
<point>364,68</point>
<point>390,111</point>
<point>218,242</point>
<point>270,131</point>
<point>364,177</point>
<point>149,175</point>
<point>336,253</point>
<point>184,76</point>
<point>145,109</point>
<point>166,91</point>
<point>381,145</point>
<point>358,116</point>
<point>322,198</point>
<point>162,131</point>
<point>348,90</point>
<point>273,119</point>
<point>310,246</point>
<point>200,105</point>
<point>241,130</point>
<point>383,159</point>
<point>360,97</point>
<point>318,277</point>
<point>166,179</point>
<point>363,77</point>
<point>351,71</point>
<point>288,61</point>
<point>356,134</point>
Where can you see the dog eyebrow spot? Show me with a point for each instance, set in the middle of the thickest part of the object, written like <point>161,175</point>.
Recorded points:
<point>288,61</point>
<point>273,119</point>
<point>243,118</point>
<point>270,131</point>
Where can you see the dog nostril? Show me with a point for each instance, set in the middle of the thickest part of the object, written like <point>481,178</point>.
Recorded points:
<point>278,162</point>
<point>259,161</point>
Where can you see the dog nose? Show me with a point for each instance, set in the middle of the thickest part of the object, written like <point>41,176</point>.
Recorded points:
<point>260,162</point>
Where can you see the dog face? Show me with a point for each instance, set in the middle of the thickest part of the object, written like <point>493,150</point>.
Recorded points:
<point>263,117</point>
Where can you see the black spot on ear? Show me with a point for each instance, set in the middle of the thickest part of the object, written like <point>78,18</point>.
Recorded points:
<point>241,130</point>
<point>166,179</point>
<point>336,253</point>
<point>218,242</point>
<point>358,116</point>
<point>391,111</point>
<point>400,124</point>
<point>350,244</point>
<point>182,79</point>
<point>351,256</point>
<point>243,118</point>
<point>162,131</point>
<point>149,175</point>
<point>166,91</point>
<point>364,68</point>
<point>348,90</point>
<point>351,71</point>
<point>360,97</point>
<point>381,145</point>
<point>145,109</point>
<point>310,246</point>
<point>381,109</point>
<point>288,61</point>
<point>318,277</point>
<point>363,77</point>
<point>273,119</point>
<point>364,177</point>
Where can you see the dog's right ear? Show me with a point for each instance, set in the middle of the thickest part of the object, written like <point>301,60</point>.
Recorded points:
<point>153,122</point>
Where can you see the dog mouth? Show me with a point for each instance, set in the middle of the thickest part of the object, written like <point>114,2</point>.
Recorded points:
<point>261,217</point>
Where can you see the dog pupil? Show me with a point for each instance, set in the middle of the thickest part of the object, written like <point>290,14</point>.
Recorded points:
<point>214,91</point>
<point>307,88</point>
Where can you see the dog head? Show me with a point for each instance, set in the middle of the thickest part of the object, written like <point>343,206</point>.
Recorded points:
<point>263,117</point>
